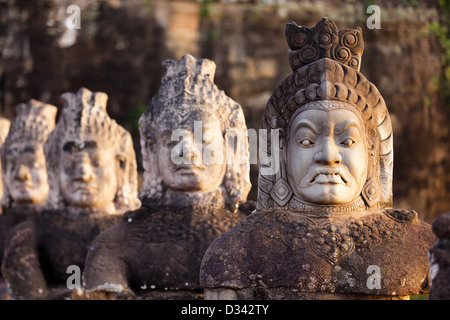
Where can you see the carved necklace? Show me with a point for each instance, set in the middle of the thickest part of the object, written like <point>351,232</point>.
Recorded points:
<point>297,205</point>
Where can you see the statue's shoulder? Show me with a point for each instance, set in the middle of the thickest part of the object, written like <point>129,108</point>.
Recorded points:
<point>227,259</point>
<point>394,240</point>
<point>411,224</point>
<point>389,232</point>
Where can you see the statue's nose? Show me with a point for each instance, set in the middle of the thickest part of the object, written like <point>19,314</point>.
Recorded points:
<point>23,173</point>
<point>190,149</point>
<point>328,154</point>
<point>84,170</point>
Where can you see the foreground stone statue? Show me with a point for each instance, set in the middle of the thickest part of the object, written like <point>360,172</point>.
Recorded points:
<point>24,165</point>
<point>190,195</point>
<point>439,259</point>
<point>93,180</point>
<point>324,227</point>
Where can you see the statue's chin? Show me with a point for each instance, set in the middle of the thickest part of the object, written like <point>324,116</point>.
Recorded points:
<point>328,194</point>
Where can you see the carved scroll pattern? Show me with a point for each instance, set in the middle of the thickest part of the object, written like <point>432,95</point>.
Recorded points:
<point>324,41</point>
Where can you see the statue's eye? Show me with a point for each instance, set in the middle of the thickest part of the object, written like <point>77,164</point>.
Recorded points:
<point>306,143</point>
<point>348,142</point>
<point>68,166</point>
<point>97,161</point>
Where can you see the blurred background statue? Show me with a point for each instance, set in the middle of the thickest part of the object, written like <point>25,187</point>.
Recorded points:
<point>93,180</point>
<point>195,150</point>
<point>24,171</point>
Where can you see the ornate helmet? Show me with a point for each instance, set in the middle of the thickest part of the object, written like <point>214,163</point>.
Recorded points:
<point>325,64</point>
<point>84,116</point>
<point>33,123</point>
<point>187,86</point>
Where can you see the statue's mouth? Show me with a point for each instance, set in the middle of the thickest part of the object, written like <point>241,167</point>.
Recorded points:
<point>188,169</point>
<point>83,187</point>
<point>23,185</point>
<point>326,177</point>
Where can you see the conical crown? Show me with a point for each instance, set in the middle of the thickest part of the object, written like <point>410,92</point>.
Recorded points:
<point>187,85</point>
<point>34,121</point>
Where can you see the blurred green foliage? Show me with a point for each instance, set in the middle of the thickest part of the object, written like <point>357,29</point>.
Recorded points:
<point>204,8</point>
<point>132,119</point>
<point>442,31</point>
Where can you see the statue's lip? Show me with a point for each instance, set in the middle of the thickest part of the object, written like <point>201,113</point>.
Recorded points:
<point>326,176</point>
<point>188,168</point>
<point>23,184</point>
<point>85,187</point>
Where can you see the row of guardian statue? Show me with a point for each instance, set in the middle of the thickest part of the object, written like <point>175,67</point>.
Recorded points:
<point>322,220</point>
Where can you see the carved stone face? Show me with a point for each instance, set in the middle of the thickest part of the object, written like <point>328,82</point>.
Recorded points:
<point>26,173</point>
<point>88,174</point>
<point>326,156</point>
<point>191,156</point>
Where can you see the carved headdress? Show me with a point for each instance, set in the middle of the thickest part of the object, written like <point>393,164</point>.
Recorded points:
<point>33,123</point>
<point>84,117</point>
<point>325,64</point>
<point>188,85</point>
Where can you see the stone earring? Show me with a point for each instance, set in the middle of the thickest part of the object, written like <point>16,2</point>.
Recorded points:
<point>156,188</point>
<point>371,193</point>
<point>281,192</point>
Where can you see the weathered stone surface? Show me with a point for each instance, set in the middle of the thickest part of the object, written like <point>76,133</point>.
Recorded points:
<point>155,251</point>
<point>286,255</point>
<point>323,219</point>
<point>40,250</point>
<point>439,259</point>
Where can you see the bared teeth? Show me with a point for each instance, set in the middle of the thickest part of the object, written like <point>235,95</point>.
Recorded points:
<point>328,178</point>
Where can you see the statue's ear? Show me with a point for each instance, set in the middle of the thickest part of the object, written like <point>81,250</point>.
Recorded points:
<point>150,143</point>
<point>121,168</point>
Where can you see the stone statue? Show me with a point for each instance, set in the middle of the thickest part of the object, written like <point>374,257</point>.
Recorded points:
<point>24,165</point>
<point>4,129</point>
<point>324,227</point>
<point>439,259</point>
<point>93,179</point>
<point>23,158</point>
<point>191,192</point>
